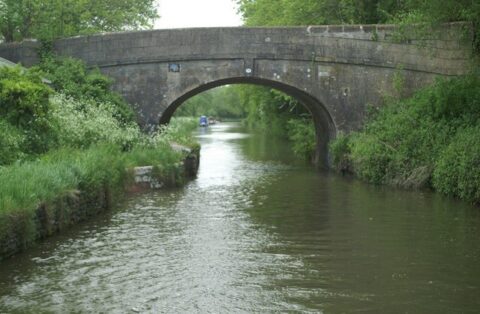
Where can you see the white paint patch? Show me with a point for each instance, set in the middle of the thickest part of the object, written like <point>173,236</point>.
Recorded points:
<point>324,71</point>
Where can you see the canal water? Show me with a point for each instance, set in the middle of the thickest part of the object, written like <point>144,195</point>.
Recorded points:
<point>257,232</point>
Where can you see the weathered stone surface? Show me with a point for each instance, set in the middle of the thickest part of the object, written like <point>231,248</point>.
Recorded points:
<point>334,70</point>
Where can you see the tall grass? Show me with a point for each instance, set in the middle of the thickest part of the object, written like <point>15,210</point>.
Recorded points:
<point>53,185</point>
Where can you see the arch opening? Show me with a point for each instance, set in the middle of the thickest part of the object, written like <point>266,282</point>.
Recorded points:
<point>325,128</point>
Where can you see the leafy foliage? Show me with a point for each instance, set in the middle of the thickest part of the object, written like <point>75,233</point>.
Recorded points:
<point>72,78</point>
<point>457,168</point>
<point>178,131</point>
<point>83,123</point>
<point>50,19</point>
<point>318,12</point>
<point>429,140</point>
<point>24,104</point>
<point>23,96</point>
<point>11,143</point>
<point>339,150</point>
<point>301,132</point>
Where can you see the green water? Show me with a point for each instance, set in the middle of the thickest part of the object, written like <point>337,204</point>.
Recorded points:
<point>258,232</point>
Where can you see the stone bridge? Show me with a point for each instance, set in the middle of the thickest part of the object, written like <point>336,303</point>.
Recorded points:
<point>335,71</point>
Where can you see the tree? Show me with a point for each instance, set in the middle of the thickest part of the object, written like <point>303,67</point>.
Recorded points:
<point>50,19</point>
<point>15,19</point>
<point>311,12</point>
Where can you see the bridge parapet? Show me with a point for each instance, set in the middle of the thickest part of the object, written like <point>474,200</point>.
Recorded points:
<point>447,32</point>
<point>446,54</point>
<point>441,52</point>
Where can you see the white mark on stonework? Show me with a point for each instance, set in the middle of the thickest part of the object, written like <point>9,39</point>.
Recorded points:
<point>268,39</point>
<point>248,70</point>
<point>324,71</point>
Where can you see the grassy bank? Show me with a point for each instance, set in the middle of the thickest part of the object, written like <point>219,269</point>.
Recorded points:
<point>41,197</point>
<point>68,149</point>
<point>431,140</point>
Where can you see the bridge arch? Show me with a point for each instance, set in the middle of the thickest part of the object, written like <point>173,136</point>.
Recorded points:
<point>325,128</point>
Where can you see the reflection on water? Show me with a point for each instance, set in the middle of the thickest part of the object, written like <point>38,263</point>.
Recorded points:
<point>257,232</point>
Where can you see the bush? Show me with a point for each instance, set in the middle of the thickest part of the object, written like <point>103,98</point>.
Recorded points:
<point>23,96</point>
<point>429,140</point>
<point>82,123</point>
<point>340,151</point>
<point>179,131</point>
<point>71,77</point>
<point>11,143</point>
<point>24,103</point>
<point>370,158</point>
<point>301,132</point>
<point>457,98</point>
<point>457,170</point>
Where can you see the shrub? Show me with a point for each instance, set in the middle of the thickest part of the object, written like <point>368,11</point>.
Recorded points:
<point>82,123</point>
<point>23,96</point>
<point>457,170</point>
<point>340,151</point>
<point>11,143</point>
<point>71,77</point>
<point>454,98</point>
<point>428,140</point>
<point>179,131</point>
<point>370,158</point>
<point>24,103</point>
<point>301,132</point>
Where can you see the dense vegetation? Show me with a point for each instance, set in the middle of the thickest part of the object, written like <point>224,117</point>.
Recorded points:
<point>50,19</point>
<point>429,140</point>
<point>41,119</point>
<point>319,12</point>
<point>72,142</point>
<point>78,110</point>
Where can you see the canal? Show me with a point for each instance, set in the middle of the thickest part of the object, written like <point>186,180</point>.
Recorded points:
<point>257,231</point>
